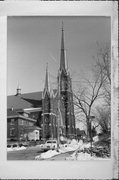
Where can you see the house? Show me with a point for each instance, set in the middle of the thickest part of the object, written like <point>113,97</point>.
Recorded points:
<point>18,124</point>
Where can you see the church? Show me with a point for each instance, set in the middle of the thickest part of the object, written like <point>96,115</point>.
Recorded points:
<point>50,112</point>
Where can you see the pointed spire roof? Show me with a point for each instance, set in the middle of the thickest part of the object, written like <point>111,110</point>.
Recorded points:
<point>46,89</point>
<point>51,91</point>
<point>46,78</point>
<point>62,55</point>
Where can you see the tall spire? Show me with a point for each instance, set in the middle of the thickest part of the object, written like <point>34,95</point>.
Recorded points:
<point>46,79</point>
<point>62,55</point>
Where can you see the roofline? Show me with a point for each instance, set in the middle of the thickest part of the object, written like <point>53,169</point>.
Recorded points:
<point>23,117</point>
<point>32,109</point>
<point>33,127</point>
<point>24,93</point>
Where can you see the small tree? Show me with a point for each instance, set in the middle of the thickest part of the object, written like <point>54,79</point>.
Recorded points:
<point>104,119</point>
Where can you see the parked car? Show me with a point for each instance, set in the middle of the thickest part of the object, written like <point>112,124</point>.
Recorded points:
<point>49,144</point>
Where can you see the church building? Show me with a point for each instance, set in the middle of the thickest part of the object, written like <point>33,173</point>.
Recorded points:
<point>50,111</point>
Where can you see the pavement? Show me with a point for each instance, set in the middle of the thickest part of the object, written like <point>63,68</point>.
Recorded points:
<point>27,154</point>
<point>30,153</point>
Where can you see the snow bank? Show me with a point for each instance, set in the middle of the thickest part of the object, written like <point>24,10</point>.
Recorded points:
<point>73,142</point>
<point>68,148</point>
<point>10,149</point>
<point>16,148</point>
<point>87,145</point>
<point>80,156</point>
<point>96,138</point>
<point>47,154</point>
<point>19,148</point>
<point>73,146</point>
<point>83,156</point>
<point>80,143</point>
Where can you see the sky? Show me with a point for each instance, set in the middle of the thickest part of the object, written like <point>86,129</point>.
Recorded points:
<point>32,42</point>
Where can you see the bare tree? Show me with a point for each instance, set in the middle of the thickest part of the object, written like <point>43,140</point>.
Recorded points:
<point>85,98</point>
<point>95,88</point>
<point>103,64</point>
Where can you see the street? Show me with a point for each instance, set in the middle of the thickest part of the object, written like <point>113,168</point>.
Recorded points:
<point>27,154</point>
<point>31,152</point>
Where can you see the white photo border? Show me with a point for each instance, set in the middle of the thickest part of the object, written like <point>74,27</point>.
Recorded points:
<point>106,169</point>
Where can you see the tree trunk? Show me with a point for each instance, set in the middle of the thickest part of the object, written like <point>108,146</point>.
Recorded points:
<point>89,137</point>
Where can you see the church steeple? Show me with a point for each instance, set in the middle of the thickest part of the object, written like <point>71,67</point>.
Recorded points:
<point>62,55</point>
<point>46,89</point>
<point>46,78</point>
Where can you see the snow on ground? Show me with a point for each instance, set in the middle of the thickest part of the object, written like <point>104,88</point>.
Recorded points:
<point>47,154</point>
<point>16,148</point>
<point>85,145</point>
<point>68,148</point>
<point>10,149</point>
<point>73,146</point>
<point>63,149</point>
<point>96,138</point>
<point>83,156</point>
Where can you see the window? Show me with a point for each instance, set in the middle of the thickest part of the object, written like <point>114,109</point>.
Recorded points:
<point>27,123</point>
<point>12,121</point>
<point>21,122</point>
<point>12,132</point>
<point>30,124</point>
<point>25,114</point>
<point>21,132</point>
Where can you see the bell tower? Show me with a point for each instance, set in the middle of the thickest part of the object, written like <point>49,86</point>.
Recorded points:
<point>46,108</point>
<point>48,115</point>
<point>66,95</point>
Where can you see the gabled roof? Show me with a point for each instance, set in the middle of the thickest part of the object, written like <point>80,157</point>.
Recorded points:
<point>32,128</point>
<point>17,102</point>
<point>11,112</point>
<point>33,95</point>
<point>27,100</point>
<point>36,103</point>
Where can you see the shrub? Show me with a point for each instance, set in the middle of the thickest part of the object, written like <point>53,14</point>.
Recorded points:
<point>14,145</point>
<point>8,146</point>
<point>20,145</point>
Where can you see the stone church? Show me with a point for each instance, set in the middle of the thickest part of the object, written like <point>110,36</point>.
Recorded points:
<point>50,111</point>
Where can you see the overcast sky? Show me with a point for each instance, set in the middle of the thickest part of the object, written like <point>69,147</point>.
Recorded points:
<point>34,41</point>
